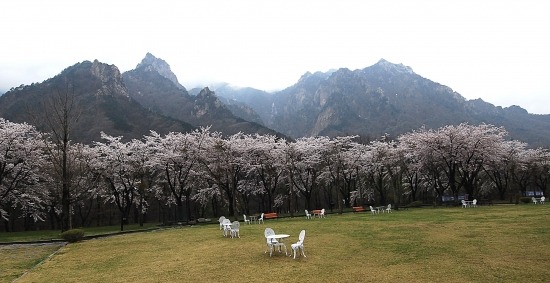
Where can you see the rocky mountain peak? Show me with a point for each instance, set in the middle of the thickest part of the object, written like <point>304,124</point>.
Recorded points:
<point>111,78</point>
<point>152,63</point>
<point>318,74</point>
<point>396,68</point>
<point>305,76</point>
<point>207,93</point>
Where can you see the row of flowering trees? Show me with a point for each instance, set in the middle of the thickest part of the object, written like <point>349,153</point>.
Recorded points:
<point>203,173</point>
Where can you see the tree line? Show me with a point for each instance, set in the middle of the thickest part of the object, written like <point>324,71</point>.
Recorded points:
<point>184,176</point>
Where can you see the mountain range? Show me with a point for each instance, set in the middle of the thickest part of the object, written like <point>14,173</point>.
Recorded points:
<point>102,102</point>
<point>385,98</point>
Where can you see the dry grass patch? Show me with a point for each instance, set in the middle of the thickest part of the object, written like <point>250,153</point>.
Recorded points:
<point>16,259</point>
<point>485,244</point>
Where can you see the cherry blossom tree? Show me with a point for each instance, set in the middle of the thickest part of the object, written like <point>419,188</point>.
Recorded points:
<point>21,163</point>
<point>60,113</point>
<point>145,171</point>
<point>499,169</point>
<point>394,169</point>
<point>355,174</point>
<point>264,167</point>
<point>454,155</point>
<point>530,164</point>
<point>290,154</point>
<point>338,169</point>
<point>177,159</point>
<point>201,168</point>
<point>411,168</point>
<point>354,181</point>
<point>305,158</point>
<point>379,160</point>
<point>119,166</point>
<point>481,145</point>
<point>79,180</point>
<point>541,169</point>
<point>223,164</point>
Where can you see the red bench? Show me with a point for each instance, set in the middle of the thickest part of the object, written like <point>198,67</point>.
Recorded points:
<point>318,213</point>
<point>358,208</point>
<point>270,215</point>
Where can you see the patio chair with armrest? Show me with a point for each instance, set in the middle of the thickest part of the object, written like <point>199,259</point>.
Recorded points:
<point>221,220</point>
<point>388,209</point>
<point>542,199</point>
<point>246,221</point>
<point>272,243</point>
<point>308,215</point>
<point>372,210</point>
<point>300,244</point>
<point>235,229</point>
<point>226,223</point>
<point>261,218</point>
<point>534,200</point>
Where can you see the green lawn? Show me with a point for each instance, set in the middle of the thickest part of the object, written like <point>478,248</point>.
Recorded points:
<point>501,243</point>
<point>56,234</point>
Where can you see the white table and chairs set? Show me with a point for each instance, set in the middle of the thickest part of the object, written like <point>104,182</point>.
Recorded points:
<point>253,219</point>
<point>469,203</point>
<point>274,241</point>
<point>378,209</point>
<point>540,200</point>
<point>231,229</point>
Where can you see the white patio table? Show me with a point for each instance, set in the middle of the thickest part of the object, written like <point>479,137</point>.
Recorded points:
<point>279,237</point>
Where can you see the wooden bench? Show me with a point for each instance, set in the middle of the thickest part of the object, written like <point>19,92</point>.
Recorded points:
<point>358,209</point>
<point>317,213</point>
<point>270,215</point>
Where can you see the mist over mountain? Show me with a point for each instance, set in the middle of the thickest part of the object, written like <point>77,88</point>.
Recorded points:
<point>383,98</point>
<point>238,100</point>
<point>152,84</point>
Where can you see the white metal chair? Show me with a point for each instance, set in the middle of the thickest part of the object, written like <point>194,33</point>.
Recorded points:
<point>464,204</point>
<point>372,210</point>
<point>534,200</point>
<point>542,199</point>
<point>221,220</point>
<point>272,243</point>
<point>300,244</point>
<point>388,209</point>
<point>474,203</point>
<point>226,223</point>
<point>235,229</point>
<point>308,215</point>
<point>246,221</point>
<point>322,213</point>
<point>261,218</point>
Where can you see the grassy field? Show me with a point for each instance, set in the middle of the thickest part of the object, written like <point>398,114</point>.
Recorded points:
<point>56,234</point>
<point>486,244</point>
<point>17,258</point>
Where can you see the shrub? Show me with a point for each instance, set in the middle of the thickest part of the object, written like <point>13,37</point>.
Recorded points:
<point>416,203</point>
<point>73,235</point>
<point>525,199</point>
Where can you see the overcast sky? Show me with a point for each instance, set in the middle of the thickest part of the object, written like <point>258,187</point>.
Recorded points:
<point>495,50</point>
